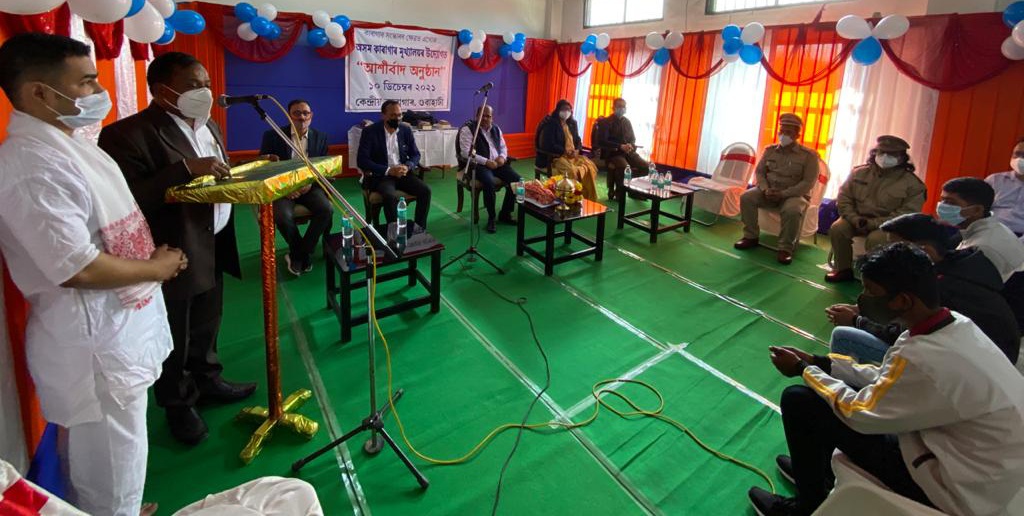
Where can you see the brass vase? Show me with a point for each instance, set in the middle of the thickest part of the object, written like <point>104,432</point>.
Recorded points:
<point>565,189</point>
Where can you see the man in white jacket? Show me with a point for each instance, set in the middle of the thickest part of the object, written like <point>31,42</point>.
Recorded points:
<point>941,421</point>
<point>81,252</point>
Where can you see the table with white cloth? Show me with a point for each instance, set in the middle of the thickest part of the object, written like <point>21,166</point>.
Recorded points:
<point>436,146</point>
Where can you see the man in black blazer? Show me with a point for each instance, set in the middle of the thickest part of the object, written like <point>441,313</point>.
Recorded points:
<point>312,196</point>
<point>168,144</point>
<point>387,153</point>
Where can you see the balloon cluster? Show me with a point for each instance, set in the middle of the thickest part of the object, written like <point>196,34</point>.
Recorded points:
<point>663,45</point>
<point>328,30</point>
<point>595,47</point>
<point>741,44</point>
<point>472,43</point>
<point>1013,17</point>
<point>515,45</point>
<point>257,22</point>
<point>869,50</point>
<point>145,21</point>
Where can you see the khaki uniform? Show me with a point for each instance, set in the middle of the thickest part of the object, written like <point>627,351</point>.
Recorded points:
<point>793,170</point>
<point>875,195</point>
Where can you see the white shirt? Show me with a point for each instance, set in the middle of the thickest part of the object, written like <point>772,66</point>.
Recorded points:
<point>49,232</point>
<point>206,146</point>
<point>301,142</point>
<point>496,151</point>
<point>998,243</point>
<point>1009,203</point>
<point>394,157</point>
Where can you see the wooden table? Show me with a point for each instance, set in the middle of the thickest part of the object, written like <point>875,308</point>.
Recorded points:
<point>642,188</point>
<point>552,217</point>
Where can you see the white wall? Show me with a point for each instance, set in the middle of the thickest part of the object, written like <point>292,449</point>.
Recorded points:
<point>494,16</point>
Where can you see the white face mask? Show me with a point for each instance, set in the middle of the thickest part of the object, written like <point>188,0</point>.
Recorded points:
<point>886,160</point>
<point>785,139</point>
<point>1017,165</point>
<point>92,109</point>
<point>195,104</point>
<point>564,115</point>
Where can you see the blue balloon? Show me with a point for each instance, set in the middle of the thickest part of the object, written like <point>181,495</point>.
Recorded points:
<point>245,12</point>
<point>1013,14</point>
<point>168,35</point>
<point>187,22</point>
<point>504,50</point>
<point>521,37</point>
<point>342,20</point>
<point>275,31</point>
<point>868,51</point>
<point>587,48</point>
<point>662,57</point>
<point>476,55</point>
<point>592,39</point>
<point>732,45</point>
<point>731,31</point>
<point>751,54</point>
<point>465,36</point>
<point>261,26</point>
<point>137,6</point>
<point>601,55</point>
<point>317,37</point>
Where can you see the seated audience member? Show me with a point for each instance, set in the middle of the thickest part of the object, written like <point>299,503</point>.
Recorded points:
<point>560,146</point>
<point>490,159</point>
<point>785,176</point>
<point>967,204</point>
<point>387,154</point>
<point>941,421</point>
<point>1008,206</point>
<point>311,196</point>
<point>618,148</point>
<point>968,284</point>
<point>875,192</point>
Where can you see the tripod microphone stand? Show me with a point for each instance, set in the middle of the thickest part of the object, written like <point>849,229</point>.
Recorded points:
<point>470,169</point>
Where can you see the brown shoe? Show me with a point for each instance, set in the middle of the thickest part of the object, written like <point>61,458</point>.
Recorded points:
<point>148,509</point>
<point>785,257</point>
<point>746,243</point>
<point>840,276</point>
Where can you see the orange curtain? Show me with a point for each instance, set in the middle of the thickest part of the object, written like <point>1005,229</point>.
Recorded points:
<point>810,59</point>
<point>605,84</point>
<point>681,105</point>
<point>975,130</point>
<point>107,79</point>
<point>544,88</point>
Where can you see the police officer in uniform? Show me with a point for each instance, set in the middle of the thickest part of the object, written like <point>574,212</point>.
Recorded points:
<point>785,176</point>
<point>884,188</point>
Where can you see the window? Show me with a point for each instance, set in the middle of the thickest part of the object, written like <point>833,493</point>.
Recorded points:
<point>612,12</point>
<point>725,6</point>
<point>579,103</point>
<point>733,111</point>
<point>641,95</point>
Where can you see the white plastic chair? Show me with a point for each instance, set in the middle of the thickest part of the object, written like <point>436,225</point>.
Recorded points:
<point>771,222</point>
<point>858,493</point>
<point>720,194</point>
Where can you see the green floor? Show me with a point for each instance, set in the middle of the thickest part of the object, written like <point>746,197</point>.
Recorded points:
<point>689,315</point>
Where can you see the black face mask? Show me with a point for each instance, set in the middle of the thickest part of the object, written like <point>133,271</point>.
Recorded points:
<point>393,123</point>
<point>876,308</point>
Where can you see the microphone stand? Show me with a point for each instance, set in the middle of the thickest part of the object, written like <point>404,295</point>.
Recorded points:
<point>472,251</point>
<point>374,422</point>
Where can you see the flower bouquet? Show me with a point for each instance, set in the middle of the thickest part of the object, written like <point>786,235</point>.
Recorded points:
<point>567,190</point>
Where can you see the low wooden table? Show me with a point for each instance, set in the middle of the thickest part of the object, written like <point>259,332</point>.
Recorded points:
<point>343,262</point>
<point>642,187</point>
<point>552,217</point>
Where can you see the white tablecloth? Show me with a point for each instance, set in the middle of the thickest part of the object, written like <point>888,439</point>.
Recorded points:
<point>437,146</point>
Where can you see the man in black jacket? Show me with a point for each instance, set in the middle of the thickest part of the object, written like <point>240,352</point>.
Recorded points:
<point>968,284</point>
<point>311,196</point>
<point>387,154</point>
<point>617,143</point>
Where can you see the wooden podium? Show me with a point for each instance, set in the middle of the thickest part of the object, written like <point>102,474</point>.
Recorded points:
<point>261,183</point>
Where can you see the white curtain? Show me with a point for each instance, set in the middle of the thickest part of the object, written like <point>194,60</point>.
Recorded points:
<point>733,110</point>
<point>641,94</point>
<point>877,100</point>
<point>579,104</point>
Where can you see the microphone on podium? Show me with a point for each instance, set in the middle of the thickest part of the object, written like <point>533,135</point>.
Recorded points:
<point>484,89</point>
<point>230,100</point>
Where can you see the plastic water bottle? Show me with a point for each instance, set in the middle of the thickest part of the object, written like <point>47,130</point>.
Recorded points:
<point>666,180</point>
<point>346,232</point>
<point>627,175</point>
<point>652,175</point>
<point>403,212</point>
<point>520,192</point>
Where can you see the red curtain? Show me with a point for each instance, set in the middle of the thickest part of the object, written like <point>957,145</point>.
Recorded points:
<point>544,89</point>
<point>683,97</point>
<point>57,21</point>
<point>538,54</point>
<point>569,57</point>
<point>107,38</point>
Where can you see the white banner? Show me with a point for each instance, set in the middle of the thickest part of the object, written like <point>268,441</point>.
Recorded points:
<point>413,67</point>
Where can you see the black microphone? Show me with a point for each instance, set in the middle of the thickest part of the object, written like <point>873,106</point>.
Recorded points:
<point>230,100</point>
<point>485,88</point>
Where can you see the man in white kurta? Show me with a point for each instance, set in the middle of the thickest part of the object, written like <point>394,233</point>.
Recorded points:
<point>79,250</point>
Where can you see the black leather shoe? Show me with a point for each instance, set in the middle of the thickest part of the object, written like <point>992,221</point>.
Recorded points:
<point>490,226</point>
<point>745,243</point>
<point>840,276</point>
<point>223,391</point>
<point>187,426</point>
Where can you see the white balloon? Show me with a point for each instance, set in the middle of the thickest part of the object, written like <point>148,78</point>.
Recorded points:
<point>477,45</point>
<point>338,42</point>
<point>509,38</point>
<point>752,33</point>
<point>321,19</point>
<point>892,26</point>
<point>853,27</point>
<point>146,26</point>
<point>245,32</point>
<point>1018,34</point>
<point>267,11</point>
<point>518,56</point>
<point>654,41</point>
<point>165,7</point>
<point>1012,50</point>
<point>731,58</point>
<point>674,40</point>
<point>480,35</point>
<point>464,51</point>
<point>29,6</point>
<point>334,31</point>
<point>100,11</point>
<point>603,40</point>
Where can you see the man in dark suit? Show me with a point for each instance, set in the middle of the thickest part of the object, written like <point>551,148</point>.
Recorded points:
<point>168,144</point>
<point>387,153</point>
<point>312,196</point>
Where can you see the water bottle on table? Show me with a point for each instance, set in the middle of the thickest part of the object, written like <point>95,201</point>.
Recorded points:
<point>627,176</point>
<point>653,177</point>
<point>346,231</point>
<point>520,191</point>
<point>403,212</point>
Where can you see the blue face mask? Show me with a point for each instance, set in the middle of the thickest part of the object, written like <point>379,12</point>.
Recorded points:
<point>92,109</point>
<point>949,213</point>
